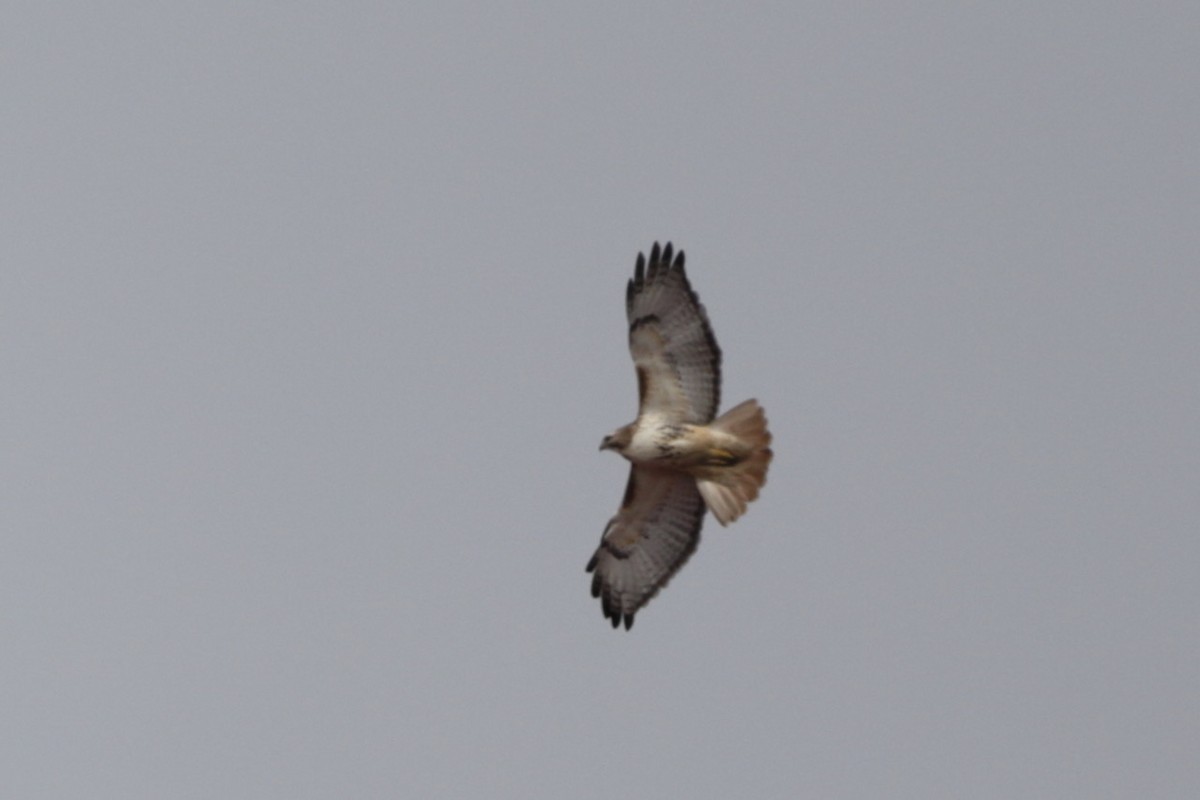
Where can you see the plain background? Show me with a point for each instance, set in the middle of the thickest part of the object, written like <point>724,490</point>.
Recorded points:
<point>311,321</point>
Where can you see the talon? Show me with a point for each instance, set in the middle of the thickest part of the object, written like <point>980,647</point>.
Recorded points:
<point>721,458</point>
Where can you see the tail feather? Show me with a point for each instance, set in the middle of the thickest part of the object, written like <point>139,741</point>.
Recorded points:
<point>728,490</point>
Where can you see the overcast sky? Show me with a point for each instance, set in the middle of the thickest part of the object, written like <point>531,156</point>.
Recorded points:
<point>311,321</point>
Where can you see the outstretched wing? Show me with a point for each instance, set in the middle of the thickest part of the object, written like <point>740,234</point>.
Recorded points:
<point>650,538</point>
<point>674,351</point>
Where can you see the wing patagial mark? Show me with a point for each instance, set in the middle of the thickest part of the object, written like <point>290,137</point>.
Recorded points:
<point>630,490</point>
<point>643,386</point>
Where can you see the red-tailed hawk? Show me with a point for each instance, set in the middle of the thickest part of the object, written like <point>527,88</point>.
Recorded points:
<point>683,460</point>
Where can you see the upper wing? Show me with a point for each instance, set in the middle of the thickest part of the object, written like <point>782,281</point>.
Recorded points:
<point>674,351</point>
<point>650,538</point>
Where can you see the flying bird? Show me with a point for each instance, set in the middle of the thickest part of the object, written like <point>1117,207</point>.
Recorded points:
<point>683,460</point>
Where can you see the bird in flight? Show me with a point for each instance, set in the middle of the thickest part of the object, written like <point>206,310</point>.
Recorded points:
<point>683,460</point>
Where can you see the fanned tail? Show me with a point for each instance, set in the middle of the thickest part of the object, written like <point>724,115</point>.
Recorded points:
<point>728,490</point>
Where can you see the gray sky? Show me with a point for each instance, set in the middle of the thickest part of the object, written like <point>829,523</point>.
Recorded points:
<point>312,321</point>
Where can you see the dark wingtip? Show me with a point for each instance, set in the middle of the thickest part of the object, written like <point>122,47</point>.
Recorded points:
<point>628,621</point>
<point>662,259</point>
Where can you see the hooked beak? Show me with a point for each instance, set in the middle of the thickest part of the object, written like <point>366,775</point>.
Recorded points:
<point>607,444</point>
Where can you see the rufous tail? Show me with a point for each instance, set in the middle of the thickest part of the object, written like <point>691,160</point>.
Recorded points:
<point>727,490</point>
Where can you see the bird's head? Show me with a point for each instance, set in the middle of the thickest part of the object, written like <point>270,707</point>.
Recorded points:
<point>618,440</point>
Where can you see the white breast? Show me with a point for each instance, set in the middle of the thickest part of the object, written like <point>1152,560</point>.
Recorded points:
<point>650,436</point>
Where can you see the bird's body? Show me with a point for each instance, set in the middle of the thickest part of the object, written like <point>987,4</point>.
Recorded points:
<point>683,460</point>
<point>656,442</point>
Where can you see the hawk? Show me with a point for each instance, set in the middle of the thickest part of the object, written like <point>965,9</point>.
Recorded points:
<point>683,460</point>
